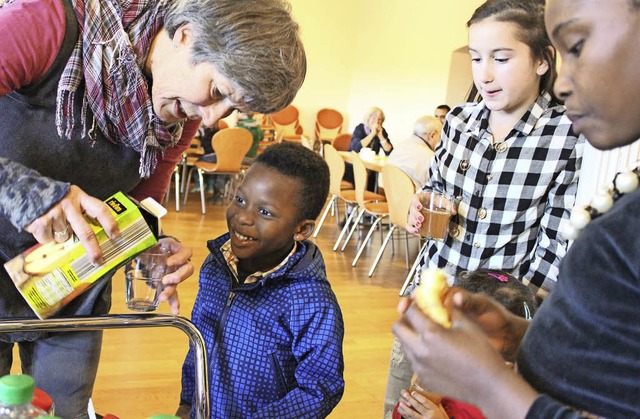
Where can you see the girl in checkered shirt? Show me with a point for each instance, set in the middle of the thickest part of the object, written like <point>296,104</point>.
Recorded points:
<point>510,162</point>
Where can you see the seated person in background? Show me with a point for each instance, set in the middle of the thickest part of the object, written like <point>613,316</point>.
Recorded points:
<point>370,134</point>
<point>271,323</point>
<point>414,154</point>
<point>441,112</point>
<point>505,289</point>
<point>246,121</point>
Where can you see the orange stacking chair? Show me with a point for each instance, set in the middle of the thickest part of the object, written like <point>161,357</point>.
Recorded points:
<point>286,124</point>
<point>230,146</point>
<point>342,142</point>
<point>328,124</point>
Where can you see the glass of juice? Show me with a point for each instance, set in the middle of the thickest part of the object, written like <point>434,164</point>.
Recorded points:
<point>436,210</point>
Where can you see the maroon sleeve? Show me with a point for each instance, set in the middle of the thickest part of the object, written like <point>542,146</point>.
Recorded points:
<point>32,33</point>
<point>156,185</point>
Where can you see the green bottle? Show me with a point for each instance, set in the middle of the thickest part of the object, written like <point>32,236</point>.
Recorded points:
<point>16,393</point>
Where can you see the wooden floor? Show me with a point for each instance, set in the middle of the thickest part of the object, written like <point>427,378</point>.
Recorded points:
<point>139,373</point>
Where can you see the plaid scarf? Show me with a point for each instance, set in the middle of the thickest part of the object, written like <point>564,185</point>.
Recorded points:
<point>109,57</point>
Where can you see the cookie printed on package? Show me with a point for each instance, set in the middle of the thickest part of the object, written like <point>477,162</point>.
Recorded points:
<point>52,274</point>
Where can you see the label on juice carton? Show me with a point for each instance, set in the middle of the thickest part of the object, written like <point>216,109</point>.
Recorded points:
<point>52,274</point>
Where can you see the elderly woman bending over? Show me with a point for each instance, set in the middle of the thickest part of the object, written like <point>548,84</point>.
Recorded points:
<point>104,97</point>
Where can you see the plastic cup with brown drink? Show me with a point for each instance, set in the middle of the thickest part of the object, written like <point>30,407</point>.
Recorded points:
<point>436,211</point>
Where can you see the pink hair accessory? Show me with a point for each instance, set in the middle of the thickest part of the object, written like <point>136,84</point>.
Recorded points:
<point>499,277</point>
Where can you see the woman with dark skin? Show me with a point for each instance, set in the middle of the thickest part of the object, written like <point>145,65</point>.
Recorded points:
<point>578,356</point>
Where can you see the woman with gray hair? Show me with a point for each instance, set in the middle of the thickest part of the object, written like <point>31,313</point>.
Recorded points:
<point>104,97</point>
<point>369,134</point>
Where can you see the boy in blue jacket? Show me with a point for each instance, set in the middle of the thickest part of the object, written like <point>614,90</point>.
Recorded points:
<point>271,323</point>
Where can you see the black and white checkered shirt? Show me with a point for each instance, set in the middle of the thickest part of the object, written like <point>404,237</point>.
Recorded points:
<point>513,195</point>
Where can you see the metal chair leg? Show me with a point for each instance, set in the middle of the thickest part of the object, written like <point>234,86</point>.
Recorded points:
<point>352,229</point>
<point>176,177</point>
<point>167,195</point>
<point>336,206</point>
<point>185,183</point>
<point>381,251</point>
<point>409,278</point>
<point>393,244</point>
<point>186,180</point>
<point>202,187</point>
<point>330,205</point>
<point>406,249</point>
<point>347,224</point>
<point>366,239</point>
<point>229,188</point>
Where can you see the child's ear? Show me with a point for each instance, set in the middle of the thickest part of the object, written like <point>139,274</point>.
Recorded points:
<point>303,230</point>
<point>543,66</point>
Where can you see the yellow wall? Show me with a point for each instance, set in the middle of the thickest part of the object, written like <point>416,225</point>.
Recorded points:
<point>391,54</point>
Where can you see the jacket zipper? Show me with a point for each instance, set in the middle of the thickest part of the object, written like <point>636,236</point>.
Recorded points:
<point>279,374</point>
<point>223,319</point>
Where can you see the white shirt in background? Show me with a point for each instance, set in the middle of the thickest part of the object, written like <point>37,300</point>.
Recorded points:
<point>413,156</point>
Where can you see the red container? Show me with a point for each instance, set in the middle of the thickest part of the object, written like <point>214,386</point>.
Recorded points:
<point>42,400</point>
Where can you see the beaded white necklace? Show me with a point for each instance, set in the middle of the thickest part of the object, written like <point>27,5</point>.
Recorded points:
<point>623,183</point>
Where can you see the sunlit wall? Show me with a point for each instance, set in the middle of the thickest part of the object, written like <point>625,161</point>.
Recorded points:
<point>392,54</point>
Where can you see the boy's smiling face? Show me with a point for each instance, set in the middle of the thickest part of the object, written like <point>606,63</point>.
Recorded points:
<point>263,218</point>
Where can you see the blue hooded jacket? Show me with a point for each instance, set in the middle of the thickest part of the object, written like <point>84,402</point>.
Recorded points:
<point>274,347</point>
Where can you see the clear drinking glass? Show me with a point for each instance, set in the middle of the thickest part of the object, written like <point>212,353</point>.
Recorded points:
<point>143,276</point>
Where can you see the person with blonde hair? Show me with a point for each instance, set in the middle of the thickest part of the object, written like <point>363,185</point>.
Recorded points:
<point>369,134</point>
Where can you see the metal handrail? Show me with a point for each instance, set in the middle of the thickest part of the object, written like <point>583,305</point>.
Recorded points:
<point>121,321</point>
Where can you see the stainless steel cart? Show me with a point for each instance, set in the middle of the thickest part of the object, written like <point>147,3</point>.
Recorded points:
<point>122,321</point>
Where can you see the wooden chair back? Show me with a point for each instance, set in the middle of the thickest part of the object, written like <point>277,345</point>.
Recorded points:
<point>342,142</point>
<point>399,189</point>
<point>360,177</point>
<point>286,122</point>
<point>285,116</point>
<point>336,168</point>
<point>230,146</point>
<point>328,124</point>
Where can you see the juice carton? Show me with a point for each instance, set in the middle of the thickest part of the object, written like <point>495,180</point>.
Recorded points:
<point>52,274</point>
